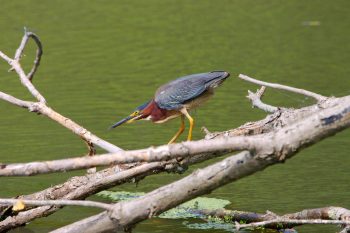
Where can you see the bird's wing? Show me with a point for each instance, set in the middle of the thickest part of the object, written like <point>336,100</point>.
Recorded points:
<point>175,93</point>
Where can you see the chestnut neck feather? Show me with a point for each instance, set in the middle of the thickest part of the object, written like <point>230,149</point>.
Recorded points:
<point>153,110</point>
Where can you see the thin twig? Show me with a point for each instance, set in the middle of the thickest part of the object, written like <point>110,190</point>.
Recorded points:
<point>91,152</point>
<point>26,82</point>
<point>6,58</point>
<point>39,53</point>
<point>22,45</point>
<point>41,106</point>
<point>57,202</point>
<point>289,221</point>
<point>91,147</point>
<point>316,96</point>
<point>18,68</point>
<point>255,98</point>
<point>205,130</point>
<point>13,100</point>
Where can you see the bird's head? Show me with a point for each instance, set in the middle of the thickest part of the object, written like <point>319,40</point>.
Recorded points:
<point>138,114</point>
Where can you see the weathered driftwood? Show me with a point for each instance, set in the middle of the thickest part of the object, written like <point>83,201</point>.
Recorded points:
<point>217,144</point>
<point>325,215</point>
<point>24,203</point>
<point>265,150</point>
<point>272,140</point>
<point>81,187</point>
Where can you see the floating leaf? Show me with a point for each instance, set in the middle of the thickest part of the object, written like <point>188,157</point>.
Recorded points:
<point>120,195</point>
<point>185,210</point>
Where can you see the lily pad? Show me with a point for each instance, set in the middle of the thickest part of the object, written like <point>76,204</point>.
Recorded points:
<point>185,210</point>
<point>120,195</point>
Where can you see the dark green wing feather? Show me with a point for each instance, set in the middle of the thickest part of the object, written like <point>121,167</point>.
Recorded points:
<point>174,94</point>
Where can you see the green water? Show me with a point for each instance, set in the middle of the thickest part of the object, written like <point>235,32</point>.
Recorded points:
<point>104,58</point>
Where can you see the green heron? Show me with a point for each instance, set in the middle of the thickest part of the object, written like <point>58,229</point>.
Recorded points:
<point>176,98</point>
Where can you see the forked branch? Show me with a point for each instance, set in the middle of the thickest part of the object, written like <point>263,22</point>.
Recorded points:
<point>324,215</point>
<point>316,96</point>
<point>40,106</point>
<point>255,98</point>
<point>269,149</point>
<point>259,149</point>
<point>39,51</point>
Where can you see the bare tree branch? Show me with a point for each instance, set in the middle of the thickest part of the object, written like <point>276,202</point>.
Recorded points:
<point>336,116</point>
<point>91,148</point>
<point>41,106</point>
<point>198,183</point>
<point>76,188</point>
<point>334,103</point>
<point>17,66</point>
<point>39,51</point>
<point>152,154</point>
<point>75,128</point>
<point>317,97</point>
<point>270,220</point>
<point>279,119</point>
<point>282,139</point>
<point>15,101</point>
<point>272,148</point>
<point>84,186</point>
<point>5,57</point>
<point>331,212</point>
<point>26,82</point>
<point>290,222</point>
<point>255,98</point>
<point>167,152</point>
<point>57,202</point>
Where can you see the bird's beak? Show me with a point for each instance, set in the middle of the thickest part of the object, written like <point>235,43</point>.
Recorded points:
<point>127,119</point>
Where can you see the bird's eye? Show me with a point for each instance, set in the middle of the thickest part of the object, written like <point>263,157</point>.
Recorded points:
<point>136,113</point>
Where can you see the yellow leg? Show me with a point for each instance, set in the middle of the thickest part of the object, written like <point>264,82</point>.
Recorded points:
<point>179,132</point>
<point>190,119</point>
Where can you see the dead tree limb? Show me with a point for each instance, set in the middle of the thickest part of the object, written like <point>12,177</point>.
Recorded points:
<point>216,145</point>
<point>255,98</point>
<point>335,215</point>
<point>340,101</point>
<point>287,222</point>
<point>272,140</point>
<point>13,100</point>
<point>55,202</point>
<point>266,150</point>
<point>40,106</point>
<point>39,51</point>
<point>316,96</point>
<point>81,187</point>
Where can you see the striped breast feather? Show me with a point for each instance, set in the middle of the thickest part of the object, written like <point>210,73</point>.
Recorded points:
<point>174,94</point>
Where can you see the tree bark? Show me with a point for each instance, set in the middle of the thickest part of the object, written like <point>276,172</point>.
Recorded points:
<point>266,149</point>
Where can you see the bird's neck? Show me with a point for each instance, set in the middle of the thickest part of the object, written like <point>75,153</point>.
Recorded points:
<point>153,112</point>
